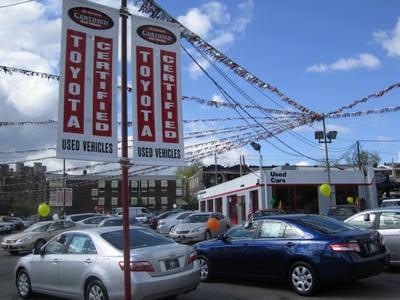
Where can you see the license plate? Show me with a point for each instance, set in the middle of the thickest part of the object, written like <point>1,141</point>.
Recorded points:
<point>171,264</point>
<point>373,247</point>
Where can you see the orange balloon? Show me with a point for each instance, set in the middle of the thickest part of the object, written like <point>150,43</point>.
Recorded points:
<point>213,224</point>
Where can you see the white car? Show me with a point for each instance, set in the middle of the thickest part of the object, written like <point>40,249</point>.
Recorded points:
<point>390,202</point>
<point>6,226</point>
<point>194,228</point>
<point>165,225</point>
<point>91,222</point>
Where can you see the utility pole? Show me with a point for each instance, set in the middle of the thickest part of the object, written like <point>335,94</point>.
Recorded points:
<point>327,159</point>
<point>64,186</point>
<point>216,168</point>
<point>361,167</point>
<point>124,14</point>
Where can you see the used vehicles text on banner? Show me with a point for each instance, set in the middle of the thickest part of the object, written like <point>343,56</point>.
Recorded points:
<point>87,115</point>
<point>157,112</point>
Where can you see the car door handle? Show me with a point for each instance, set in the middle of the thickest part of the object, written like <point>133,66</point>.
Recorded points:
<point>88,260</point>
<point>55,261</point>
<point>289,244</point>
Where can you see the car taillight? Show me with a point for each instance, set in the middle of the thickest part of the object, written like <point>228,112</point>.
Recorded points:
<point>138,266</point>
<point>346,247</point>
<point>192,257</point>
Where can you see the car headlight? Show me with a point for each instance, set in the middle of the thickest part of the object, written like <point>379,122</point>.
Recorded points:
<point>197,229</point>
<point>23,240</point>
<point>161,222</point>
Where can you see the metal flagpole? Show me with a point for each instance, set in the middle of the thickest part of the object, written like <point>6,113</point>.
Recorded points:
<point>124,13</point>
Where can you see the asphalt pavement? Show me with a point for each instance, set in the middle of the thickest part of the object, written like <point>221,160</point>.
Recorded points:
<point>385,286</point>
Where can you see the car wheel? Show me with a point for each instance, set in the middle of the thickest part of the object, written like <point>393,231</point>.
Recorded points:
<point>95,290</point>
<point>303,279</point>
<point>205,271</point>
<point>24,284</point>
<point>207,235</point>
<point>39,244</point>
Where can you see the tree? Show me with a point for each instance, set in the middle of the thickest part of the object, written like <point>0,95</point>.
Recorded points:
<point>364,158</point>
<point>188,171</point>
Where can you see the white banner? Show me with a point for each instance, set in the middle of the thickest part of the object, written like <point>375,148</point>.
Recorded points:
<point>87,114</point>
<point>157,113</point>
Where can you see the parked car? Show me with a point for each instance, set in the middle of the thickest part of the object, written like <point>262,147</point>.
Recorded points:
<point>80,217</point>
<point>117,221</point>
<point>194,227</point>
<point>390,202</point>
<point>268,212</point>
<point>342,212</point>
<point>304,249</point>
<point>35,236</point>
<point>90,266</point>
<point>165,225</point>
<point>91,222</point>
<point>18,223</point>
<point>387,221</point>
<point>6,227</point>
<point>134,211</point>
<point>154,220</point>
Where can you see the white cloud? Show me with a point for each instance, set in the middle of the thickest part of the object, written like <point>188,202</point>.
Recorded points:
<point>363,60</point>
<point>389,40</point>
<point>213,22</point>
<point>217,98</point>
<point>303,163</point>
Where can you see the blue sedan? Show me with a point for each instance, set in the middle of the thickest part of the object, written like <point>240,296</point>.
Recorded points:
<point>306,250</point>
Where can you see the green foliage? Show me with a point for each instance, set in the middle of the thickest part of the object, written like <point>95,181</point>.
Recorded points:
<point>189,170</point>
<point>364,158</point>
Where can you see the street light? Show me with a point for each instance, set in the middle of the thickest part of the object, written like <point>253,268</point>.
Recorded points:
<point>323,137</point>
<point>257,147</point>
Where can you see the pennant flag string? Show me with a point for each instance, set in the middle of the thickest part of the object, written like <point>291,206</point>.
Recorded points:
<point>390,109</point>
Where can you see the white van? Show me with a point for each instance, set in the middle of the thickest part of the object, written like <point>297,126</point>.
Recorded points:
<point>137,212</point>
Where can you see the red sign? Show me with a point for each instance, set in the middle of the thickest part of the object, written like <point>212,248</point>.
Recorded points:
<point>90,18</point>
<point>74,88</point>
<point>169,97</point>
<point>156,34</point>
<point>145,94</point>
<point>102,87</point>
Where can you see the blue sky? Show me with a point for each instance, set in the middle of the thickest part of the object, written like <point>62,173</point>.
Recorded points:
<point>324,54</point>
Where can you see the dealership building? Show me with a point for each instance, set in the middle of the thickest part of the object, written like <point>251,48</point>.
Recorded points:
<point>295,189</point>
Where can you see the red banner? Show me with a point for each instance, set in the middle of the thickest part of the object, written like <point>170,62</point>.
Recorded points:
<point>169,97</point>
<point>145,94</point>
<point>74,88</point>
<point>102,87</point>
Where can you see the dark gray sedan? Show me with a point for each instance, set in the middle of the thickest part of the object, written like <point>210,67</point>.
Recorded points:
<point>387,221</point>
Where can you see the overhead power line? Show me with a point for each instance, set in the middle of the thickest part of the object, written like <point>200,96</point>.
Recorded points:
<point>15,4</point>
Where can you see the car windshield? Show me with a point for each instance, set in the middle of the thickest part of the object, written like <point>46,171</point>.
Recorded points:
<point>391,203</point>
<point>324,224</point>
<point>344,211</point>
<point>196,219</point>
<point>38,227</point>
<point>139,238</point>
<point>264,213</point>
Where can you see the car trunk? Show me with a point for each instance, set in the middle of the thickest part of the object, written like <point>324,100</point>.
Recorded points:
<point>166,259</point>
<point>368,241</point>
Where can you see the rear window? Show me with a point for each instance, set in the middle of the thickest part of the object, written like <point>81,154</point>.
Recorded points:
<point>196,219</point>
<point>390,203</point>
<point>324,224</point>
<point>139,238</point>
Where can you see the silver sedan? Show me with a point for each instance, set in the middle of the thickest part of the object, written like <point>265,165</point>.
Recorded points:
<point>88,264</point>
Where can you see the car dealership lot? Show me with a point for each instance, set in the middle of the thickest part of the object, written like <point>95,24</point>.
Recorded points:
<point>384,286</point>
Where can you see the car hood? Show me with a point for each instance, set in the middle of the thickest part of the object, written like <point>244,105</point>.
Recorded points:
<point>21,235</point>
<point>189,226</point>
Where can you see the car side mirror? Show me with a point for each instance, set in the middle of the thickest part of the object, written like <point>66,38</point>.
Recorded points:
<point>367,218</point>
<point>38,251</point>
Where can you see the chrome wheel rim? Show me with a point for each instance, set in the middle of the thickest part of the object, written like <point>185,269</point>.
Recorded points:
<point>96,293</point>
<point>302,279</point>
<point>23,284</point>
<point>203,269</point>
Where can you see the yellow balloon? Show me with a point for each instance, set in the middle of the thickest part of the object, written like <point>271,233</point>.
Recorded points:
<point>43,210</point>
<point>325,190</point>
<point>350,200</point>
